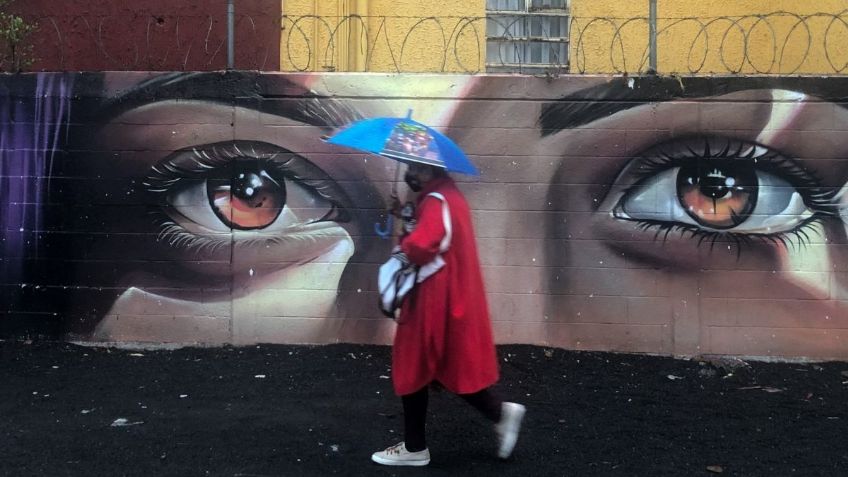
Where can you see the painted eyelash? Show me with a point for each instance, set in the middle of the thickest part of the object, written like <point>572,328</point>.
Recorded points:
<point>795,239</point>
<point>819,199</point>
<point>178,238</point>
<point>170,172</point>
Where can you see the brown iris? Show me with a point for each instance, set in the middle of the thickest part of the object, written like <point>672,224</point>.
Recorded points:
<point>250,199</point>
<point>718,194</point>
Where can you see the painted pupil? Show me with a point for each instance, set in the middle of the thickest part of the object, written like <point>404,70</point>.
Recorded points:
<point>250,199</point>
<point>718,194</point>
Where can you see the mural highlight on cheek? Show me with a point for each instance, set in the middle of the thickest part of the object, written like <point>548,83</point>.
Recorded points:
<point>691,216</point>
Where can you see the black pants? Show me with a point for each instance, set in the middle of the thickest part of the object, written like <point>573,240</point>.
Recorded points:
<point>415,413</point>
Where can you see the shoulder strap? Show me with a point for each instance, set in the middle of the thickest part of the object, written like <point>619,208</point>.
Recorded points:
<point>446,240</point>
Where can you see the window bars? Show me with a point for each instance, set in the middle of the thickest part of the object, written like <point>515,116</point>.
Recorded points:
<point>526,36</point>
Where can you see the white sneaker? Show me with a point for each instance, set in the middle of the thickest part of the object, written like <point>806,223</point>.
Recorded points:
<point>508,427</point>
<point>398,455</point>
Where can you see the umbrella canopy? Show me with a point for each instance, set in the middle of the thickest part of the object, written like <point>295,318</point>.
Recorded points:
<point>405,140</point>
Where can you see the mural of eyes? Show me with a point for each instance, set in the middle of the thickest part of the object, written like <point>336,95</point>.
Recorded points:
<point>244,186</point>
<point>717,187</point>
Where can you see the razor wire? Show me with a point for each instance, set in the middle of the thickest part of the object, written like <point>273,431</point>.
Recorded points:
<point>720,44</point>
<point>774,43</point>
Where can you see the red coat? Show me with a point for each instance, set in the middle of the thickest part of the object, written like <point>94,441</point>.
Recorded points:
<point>444,333</point>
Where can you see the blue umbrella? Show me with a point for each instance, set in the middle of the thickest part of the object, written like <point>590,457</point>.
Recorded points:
<point>405,140</point>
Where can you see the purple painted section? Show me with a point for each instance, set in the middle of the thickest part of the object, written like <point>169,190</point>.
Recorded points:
<point>30,128</point>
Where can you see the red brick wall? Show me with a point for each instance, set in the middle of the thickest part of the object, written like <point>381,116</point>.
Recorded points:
<point>159,35</point>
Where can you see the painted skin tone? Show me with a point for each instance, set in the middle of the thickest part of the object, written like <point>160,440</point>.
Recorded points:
<point>693,223</point>
<point>685,225</point>
<point>226,211</point>
<point>229,224</point>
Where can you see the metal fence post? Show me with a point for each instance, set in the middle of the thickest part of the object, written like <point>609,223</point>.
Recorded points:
<point>652,36</point>
<point>231,34</point>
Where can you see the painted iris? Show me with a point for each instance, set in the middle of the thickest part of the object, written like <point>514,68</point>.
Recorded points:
<point>720,194</point>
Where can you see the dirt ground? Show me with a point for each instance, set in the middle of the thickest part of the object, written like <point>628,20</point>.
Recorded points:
<point>298,410</point>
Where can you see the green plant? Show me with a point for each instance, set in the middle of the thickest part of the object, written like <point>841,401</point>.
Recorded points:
<point>15,48</point>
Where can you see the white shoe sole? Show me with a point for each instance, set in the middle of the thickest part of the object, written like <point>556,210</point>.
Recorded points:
<point>508,444</point>
<point>411,463</point>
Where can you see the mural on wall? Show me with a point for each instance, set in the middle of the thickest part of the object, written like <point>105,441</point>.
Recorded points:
<point>33,112</point>
<point>660,215</point>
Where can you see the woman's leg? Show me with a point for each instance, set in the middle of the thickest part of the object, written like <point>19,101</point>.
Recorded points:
<point>486,402</point>
<point>507,417</point>
<point>415,419</point>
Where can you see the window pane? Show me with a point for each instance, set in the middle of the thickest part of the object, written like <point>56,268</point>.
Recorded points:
<point>549,54</point>
<point>525,54</point>
<point>557,26</point>
<point>505,25</point>
<point>494,26</point>
<point>535,26</point>
<point>547,27</point>
<point>504,52</point>
<point>517,50</point>
<point>535,52</point>
<point>492,52</point>
<point>553,26</point>
<point>516,26</point>
<point>555,53</point>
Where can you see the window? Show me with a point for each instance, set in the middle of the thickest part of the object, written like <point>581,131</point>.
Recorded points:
<point>526,36</point>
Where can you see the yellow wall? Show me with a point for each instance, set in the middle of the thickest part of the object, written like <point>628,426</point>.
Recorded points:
<point>607,36</point>
<point>708,36</point>
<point>393,35</point>
<point>595,25</point>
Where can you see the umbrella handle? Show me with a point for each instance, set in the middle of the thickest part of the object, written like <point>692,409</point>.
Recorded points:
<point>385,232</point>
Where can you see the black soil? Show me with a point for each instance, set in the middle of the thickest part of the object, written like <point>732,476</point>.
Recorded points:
<point>323,410</point>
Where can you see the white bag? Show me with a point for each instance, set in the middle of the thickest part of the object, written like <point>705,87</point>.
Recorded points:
<point>398,275</point>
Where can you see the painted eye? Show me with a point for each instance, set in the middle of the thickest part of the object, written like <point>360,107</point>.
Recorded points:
<point>249,196</point>
<point>246,186</point>
<point>741,188</point>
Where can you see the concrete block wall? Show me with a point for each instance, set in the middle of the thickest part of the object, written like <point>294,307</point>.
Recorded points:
<point>677,216</point>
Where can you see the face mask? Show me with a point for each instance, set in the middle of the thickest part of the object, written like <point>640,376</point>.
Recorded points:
<point>412,182</point>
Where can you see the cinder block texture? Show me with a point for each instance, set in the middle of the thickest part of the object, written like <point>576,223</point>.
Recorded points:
<point>662,215</point>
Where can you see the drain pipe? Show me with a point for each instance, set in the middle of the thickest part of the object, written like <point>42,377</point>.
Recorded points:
<point>652,36</point>
<point>231,34</point>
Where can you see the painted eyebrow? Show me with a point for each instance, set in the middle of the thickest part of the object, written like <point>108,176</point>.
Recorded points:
<point>235,89</point>
<point>603,100</point>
